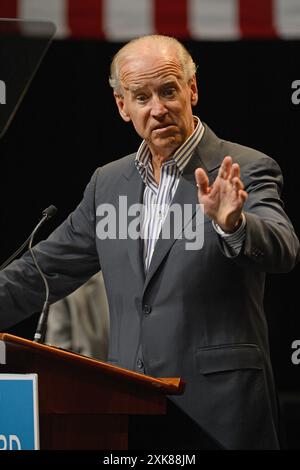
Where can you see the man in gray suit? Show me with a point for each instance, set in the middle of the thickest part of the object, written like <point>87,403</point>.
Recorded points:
<point>176,311</point>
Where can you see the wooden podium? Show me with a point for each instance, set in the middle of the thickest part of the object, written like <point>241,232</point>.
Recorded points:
<point>84,403</point>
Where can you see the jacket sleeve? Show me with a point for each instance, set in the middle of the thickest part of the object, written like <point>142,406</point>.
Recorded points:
<point>67,258</point>
<point>271,244</point>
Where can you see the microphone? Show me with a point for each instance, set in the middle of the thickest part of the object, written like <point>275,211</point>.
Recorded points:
<point>42,324</point>
<point>40,333</point>
<point>47,214</point>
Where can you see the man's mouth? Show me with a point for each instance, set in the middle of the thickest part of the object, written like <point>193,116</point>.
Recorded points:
<point>162,127</point>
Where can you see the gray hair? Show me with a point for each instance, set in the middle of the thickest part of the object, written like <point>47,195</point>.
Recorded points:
<point>185,59</point>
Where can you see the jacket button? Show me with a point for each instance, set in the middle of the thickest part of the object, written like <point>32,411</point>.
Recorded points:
<point>140,364</point>
<point>255,253</point>
<point>147,309</point>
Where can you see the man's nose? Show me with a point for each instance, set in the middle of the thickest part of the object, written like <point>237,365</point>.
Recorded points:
<point>158,109</point>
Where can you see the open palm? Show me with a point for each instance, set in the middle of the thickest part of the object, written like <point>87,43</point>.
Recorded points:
<point>224,200</point>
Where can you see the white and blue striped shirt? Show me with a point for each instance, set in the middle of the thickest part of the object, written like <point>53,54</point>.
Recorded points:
<point>158,198</point>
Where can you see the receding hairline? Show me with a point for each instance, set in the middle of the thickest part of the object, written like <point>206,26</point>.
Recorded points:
<point>185,59</point>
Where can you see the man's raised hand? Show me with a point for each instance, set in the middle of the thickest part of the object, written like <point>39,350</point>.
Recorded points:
<point>224,200</point>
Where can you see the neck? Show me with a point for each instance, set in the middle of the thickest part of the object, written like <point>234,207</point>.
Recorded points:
<point>157,162</point>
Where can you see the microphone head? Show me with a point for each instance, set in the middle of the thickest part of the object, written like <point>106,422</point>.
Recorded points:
<point>49,212</point>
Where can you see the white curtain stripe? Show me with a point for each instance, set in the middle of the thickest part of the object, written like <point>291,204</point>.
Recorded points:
<point>217,19</point>
<point>49,10</point>
<point>287,18</point>
<point>127,19</point>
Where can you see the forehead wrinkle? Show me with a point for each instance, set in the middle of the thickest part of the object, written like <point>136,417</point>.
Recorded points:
<point>168,69</point>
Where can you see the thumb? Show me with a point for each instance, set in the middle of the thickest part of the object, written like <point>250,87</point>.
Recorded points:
<point>202,181</point>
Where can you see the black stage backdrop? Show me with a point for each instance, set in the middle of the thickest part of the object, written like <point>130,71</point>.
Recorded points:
<point>68,125</point>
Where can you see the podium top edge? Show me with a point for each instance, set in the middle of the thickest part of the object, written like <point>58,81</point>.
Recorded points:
<point>168,386</point>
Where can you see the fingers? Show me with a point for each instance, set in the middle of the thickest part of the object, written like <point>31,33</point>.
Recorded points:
<point>202,181</point>
<point>225,168</point>
<point>232,172</point>
<point>242,196</point>
<point>228,171</point>
<point>237,183</point>
<point>235,171</point>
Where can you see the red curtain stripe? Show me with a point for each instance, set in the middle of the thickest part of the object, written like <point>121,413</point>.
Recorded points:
<point>85,18</point>
<point>171,18</point>
<point>8,8</point>
<point>256,18</point>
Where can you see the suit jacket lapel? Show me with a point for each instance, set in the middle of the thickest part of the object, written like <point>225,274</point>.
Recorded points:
<point>133,189</point>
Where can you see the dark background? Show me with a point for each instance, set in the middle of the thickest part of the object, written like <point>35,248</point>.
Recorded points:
<point>68,125</point>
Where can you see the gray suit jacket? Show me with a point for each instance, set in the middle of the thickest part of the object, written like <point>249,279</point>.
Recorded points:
<point>195,314</point>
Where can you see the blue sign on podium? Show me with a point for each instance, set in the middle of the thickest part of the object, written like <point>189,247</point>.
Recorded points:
<point>19,425</point>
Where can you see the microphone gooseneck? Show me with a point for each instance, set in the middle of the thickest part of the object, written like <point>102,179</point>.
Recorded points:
<point>47,214</point>
<point>42,324</point>
<point>40,333</point>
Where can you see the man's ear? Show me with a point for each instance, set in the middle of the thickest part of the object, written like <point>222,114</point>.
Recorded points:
<point>121,107</point>
<point>194,91</point>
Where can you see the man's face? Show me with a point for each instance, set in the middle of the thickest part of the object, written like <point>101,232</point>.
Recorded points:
<point>157,99</point>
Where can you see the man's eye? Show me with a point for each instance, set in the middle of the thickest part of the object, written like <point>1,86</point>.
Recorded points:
<point>141,98</point>
<point>169,92</point>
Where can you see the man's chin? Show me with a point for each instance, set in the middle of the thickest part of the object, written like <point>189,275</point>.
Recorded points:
<point>164,148</point>
<point>170,143</point>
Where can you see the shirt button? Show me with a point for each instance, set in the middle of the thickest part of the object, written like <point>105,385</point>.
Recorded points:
<point>147,309</point>
<point>140,364</point>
